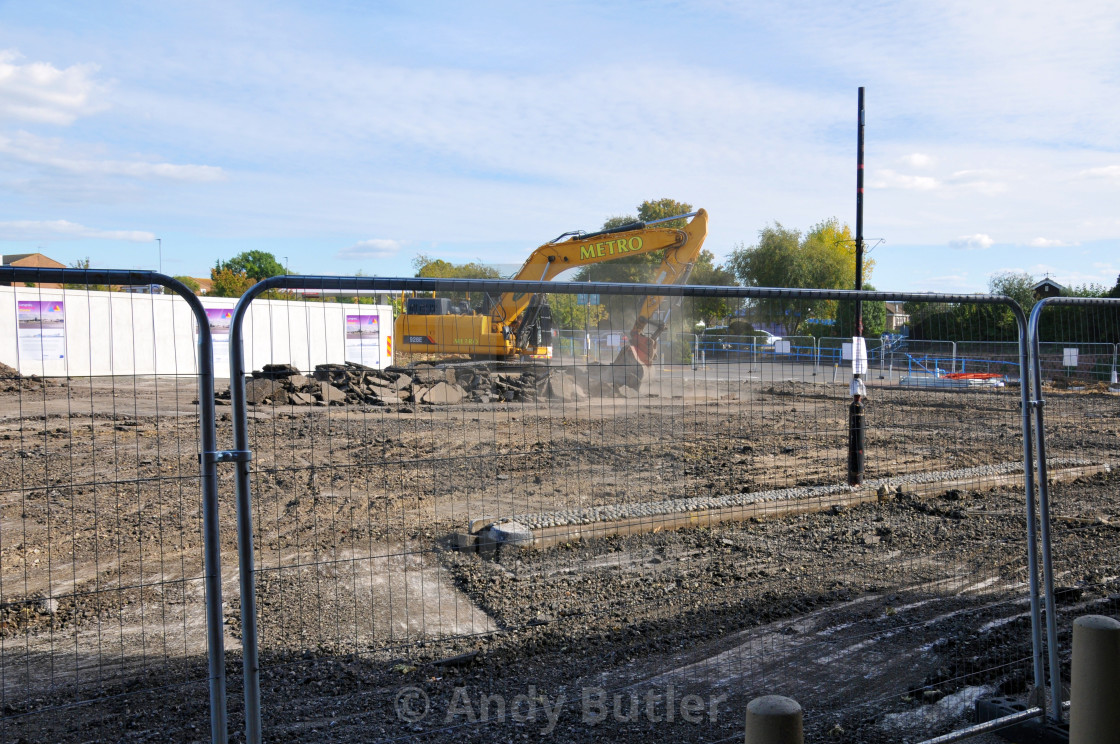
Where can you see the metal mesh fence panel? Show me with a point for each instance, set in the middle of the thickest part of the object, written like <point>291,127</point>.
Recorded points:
<point>103,626</point>
<point>449,548</point>
<point>1077,413</point>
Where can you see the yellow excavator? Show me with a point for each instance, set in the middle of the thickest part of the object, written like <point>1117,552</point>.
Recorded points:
<point>519,324</point>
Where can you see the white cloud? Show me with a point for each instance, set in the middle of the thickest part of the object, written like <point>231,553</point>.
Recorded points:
<point>981,181</point>
<point>889,179</point>
<point>979,241</point>
<point>1108,171</point>
<point>1049,243</point>
<point>916,160</point>
<point>38,151</point>
<point>63,229</point>
<point>973,181</point>
<point>374,248</point>
<point>40,92</point>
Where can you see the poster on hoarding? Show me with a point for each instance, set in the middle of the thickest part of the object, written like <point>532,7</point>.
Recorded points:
<point>42,329</point>
<point>363,339</point>
<point>219,320</point>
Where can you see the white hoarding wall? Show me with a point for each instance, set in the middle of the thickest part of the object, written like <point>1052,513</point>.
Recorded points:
<point>60,333</point>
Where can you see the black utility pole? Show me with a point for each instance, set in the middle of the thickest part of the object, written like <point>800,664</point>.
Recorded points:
<point>859,391</point>
<point>859,215</point>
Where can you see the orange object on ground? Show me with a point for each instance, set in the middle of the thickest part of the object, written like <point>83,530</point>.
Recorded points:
<point>972,376</point>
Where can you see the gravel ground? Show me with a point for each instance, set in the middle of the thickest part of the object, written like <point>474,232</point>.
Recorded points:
<point>885,620</point>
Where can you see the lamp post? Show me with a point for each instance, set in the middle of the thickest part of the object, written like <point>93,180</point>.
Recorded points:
<point>159,242</point>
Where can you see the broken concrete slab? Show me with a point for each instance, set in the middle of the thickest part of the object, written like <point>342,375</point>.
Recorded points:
<point>260,389</point>
<point>276,371</point>
<point>298,381</point>
<point>442,393</point>
<point>562,386</point>
<point>506,532</point>
<point>329,394</point>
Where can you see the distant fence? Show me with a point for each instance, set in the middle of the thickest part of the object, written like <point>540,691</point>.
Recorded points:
<point>1071,360</point>
<point>439,550</point>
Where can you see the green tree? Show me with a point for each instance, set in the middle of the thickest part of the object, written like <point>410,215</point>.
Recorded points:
<point>566,313</point>
<point>437,268</point>
<point>638,268</point>
<point>229,283</point>
<point>874,318</point>
<point>824,258</point>
<point>1018,285</point>
<point>83,263</point>
<point>707,273</point>
<point>190,282</point>
<point>1092,289</point>
<point>256,265</point>
<point>996,320</point>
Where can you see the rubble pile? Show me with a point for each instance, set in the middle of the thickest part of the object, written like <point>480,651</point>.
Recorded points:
<point>11,381</point>
<point>356,384</point>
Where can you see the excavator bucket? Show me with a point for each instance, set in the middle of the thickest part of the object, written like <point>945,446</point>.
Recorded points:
<point>633,359</point>
<point>676,266</point>
<point>644,348</point>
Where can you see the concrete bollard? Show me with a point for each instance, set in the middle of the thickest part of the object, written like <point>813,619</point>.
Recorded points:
<point>1094,712</point>
<point>773,719</point>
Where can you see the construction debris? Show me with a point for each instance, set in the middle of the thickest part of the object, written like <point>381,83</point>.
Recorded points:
<point>357,384</point>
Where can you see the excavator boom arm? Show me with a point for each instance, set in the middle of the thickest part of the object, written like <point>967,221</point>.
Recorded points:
<point>551,259</point>
<point>517,322</point>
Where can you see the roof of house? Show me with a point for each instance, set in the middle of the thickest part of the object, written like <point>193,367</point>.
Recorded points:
<point>1048,282</point>
<point>37,260</point>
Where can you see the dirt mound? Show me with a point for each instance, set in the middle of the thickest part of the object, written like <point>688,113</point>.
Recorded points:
<point>1078,386</point>
<point>12,381</point>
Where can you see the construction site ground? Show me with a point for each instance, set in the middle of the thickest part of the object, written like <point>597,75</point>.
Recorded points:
<point>885,619</point>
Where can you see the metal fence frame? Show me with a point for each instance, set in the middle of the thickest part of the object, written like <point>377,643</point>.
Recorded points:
<point>1032,425</point>
<point>1036,405</point>
<point>212,568</point>
<point>241,453</point>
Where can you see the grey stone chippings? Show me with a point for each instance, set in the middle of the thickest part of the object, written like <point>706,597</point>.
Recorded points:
<point>617,512</point>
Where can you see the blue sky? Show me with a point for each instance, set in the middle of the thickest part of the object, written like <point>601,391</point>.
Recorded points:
<point>347,136</point>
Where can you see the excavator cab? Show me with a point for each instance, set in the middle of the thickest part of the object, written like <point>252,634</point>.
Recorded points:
<point>428,306</point>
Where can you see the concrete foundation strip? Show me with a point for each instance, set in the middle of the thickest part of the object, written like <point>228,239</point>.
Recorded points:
<point>554,528</point>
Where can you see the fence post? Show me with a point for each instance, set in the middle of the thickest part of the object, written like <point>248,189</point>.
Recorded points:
<point>250,653</point>
<point>212,546</point>
<point>1034,404</point>
<point>1094,714</point>
<point>773,719</point>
